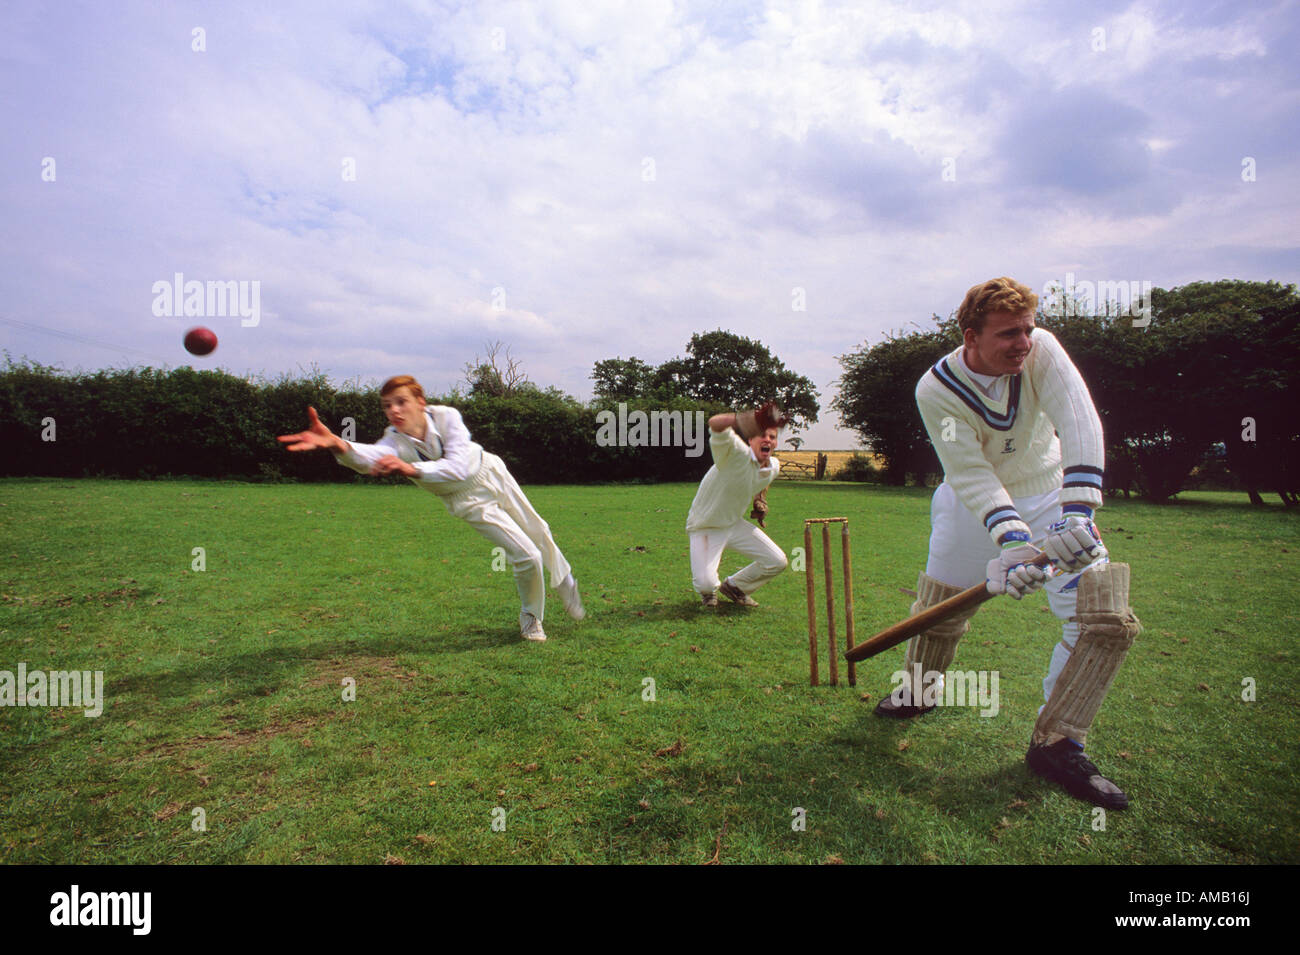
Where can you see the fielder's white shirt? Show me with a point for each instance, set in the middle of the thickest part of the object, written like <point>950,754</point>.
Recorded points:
<point>447,459</point>
<point>731,484</point>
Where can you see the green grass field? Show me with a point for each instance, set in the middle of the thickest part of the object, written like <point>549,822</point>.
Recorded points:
<point>224,689</point>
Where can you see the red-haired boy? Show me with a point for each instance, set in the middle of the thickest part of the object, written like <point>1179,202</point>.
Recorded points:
<point>431,445</point>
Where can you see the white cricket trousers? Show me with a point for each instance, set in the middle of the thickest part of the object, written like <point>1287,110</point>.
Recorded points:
<point>744,538</point>
<point>496,507</point>
<point>960,549</point>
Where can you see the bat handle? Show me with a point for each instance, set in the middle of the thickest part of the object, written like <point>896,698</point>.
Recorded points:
<point>973,596</point>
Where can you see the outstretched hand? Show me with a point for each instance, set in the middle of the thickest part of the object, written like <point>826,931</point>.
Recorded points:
<point>316,437</point>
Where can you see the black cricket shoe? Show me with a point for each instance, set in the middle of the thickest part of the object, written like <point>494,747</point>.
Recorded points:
<point>1064,762</point>
<point>892,707</point>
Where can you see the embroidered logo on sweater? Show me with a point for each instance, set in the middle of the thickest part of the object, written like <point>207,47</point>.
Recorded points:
<point>1009,446</point>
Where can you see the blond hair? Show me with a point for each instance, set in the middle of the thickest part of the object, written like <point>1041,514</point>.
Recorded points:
<point>995,295</point>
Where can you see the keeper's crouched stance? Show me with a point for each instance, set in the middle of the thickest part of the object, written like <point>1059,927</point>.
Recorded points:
<point>994,409</point>
<point>743,468</point>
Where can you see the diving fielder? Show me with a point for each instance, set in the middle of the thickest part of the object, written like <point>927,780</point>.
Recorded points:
<point>1021,447</point>
<point>430,445</point>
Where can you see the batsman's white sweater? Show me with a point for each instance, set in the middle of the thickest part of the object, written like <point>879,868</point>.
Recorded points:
<point>996,450</point>
<point>731,484</point>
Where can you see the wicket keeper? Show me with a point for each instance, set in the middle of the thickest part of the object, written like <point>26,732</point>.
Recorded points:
<point>431,445</point>
<point>743,467</point>
<point>1021,447</point>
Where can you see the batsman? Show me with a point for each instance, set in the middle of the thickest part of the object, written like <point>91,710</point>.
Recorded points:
<point>1021,447</point>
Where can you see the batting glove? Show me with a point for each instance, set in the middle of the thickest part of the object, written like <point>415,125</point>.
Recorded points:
<point>1073,543</point>
<point>1012,573</point>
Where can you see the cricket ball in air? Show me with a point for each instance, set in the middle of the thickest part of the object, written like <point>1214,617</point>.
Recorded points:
<point>200,341</point>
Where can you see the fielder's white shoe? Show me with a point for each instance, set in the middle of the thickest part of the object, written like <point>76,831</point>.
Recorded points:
<point>531,628</point>
<point>568,592</point>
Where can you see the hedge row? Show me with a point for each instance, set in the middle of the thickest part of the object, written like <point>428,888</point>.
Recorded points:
<point>150,423</point>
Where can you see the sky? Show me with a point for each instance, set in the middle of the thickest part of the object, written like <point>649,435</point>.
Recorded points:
<point>395,186</point>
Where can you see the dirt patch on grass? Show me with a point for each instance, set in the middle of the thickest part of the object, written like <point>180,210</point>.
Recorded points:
<point>236,739</point>
<point>361,669</point>
<point>125,594</point>
<point>367,671</point>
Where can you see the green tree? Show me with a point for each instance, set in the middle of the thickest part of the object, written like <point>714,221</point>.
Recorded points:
<point>877,398</point>
<point>1214,355</point>
<point>1238,343</point>
<point>737,372</point>
<point>619,379</point>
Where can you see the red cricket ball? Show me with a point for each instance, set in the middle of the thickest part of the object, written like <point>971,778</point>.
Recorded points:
<point>200,341</point>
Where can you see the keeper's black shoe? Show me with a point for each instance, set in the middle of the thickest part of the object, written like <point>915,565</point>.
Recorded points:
<point>1065,763</point>
<point>735,594</point>
<point>893,707</point>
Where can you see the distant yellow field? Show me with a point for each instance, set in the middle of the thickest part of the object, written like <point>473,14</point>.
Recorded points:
<point>835,460</point>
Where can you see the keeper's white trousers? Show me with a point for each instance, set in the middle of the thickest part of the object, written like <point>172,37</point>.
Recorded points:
<point>960,549</point>
<point>744,538</point>
<point>496,507</point>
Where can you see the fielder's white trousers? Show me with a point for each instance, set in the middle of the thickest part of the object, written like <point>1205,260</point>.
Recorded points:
<point>744,538</point>
<point>960,549</point>
<point>496,507</point>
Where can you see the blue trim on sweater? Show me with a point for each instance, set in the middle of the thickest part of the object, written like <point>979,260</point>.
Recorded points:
<point>998,422</point>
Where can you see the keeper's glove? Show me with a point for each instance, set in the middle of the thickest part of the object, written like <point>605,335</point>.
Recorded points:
<point>752,423</point>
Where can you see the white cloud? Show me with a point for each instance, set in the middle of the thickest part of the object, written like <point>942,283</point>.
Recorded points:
<point>503,145</point>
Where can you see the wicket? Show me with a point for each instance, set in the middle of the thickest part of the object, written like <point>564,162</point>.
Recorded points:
<point>811,584</point>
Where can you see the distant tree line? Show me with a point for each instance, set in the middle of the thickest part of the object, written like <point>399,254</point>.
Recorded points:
<point>147,422</point>
<point>1207,388</point>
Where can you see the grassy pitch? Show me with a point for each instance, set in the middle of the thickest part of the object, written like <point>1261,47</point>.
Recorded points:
<point>653,731</point>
